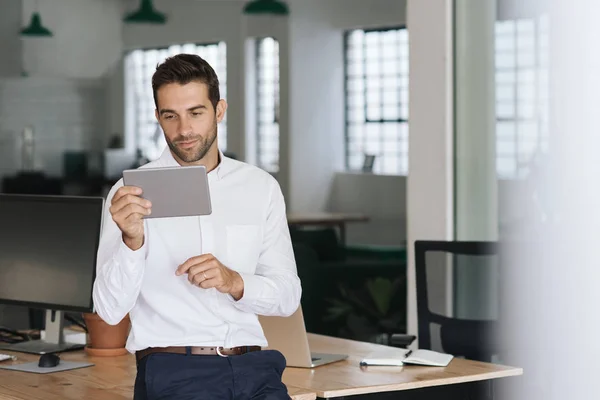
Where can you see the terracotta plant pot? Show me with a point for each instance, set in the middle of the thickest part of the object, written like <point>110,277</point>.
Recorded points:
<point>105,339</point>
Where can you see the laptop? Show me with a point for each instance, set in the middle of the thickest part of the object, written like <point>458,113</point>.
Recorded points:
<point>288,335</point>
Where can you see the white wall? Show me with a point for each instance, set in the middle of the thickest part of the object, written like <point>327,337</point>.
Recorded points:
<point>64,97</point>
<point>316,106</point>
<point>11,45</point>
<point>381,197</point>
<point>66,114</point>
<point>317,90</point>
<point>86,41</point>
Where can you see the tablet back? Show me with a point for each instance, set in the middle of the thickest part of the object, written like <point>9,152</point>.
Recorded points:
<point>173,191</point>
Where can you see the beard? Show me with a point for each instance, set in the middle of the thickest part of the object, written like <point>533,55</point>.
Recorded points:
<point>196,153</point>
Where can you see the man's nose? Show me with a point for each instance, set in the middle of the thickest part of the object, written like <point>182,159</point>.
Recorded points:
<point>185,126</point>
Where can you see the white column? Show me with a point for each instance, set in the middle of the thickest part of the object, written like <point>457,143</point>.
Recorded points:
<point>11,46</point>
<point>316,104</point>
<point>476,190</point>
<point>430,179</point>
<point>475,137</point>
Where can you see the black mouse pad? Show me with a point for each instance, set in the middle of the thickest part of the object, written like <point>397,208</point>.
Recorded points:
<point>33,367</point>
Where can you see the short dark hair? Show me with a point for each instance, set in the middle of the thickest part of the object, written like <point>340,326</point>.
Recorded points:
<point>183,69</point>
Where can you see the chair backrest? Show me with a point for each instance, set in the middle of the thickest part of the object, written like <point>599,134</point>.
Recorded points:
<point>457,262</point>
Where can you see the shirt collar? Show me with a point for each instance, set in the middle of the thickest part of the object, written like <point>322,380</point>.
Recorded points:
<point>167,160</point>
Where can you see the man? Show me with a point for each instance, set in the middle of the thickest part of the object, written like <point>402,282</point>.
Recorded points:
<point>193,286</point>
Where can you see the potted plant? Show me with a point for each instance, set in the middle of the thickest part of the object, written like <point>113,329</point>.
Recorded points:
<point>372,312</point>
<point>105,339</point>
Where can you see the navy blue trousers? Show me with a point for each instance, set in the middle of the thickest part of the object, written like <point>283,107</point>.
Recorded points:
<point>255,375</point>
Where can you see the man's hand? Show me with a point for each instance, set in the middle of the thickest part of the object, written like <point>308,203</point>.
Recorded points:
<point>127,209</point>
<point>208,272</point>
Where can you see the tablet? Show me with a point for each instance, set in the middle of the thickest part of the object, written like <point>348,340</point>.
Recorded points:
<point>173,191</point>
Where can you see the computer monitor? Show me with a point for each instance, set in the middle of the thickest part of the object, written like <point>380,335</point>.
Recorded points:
<point>48,250</point>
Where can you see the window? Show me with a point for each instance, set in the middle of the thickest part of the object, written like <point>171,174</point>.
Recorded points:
<point>377,99</point>
<point>267,72</point>
<point>139,67</point>
<point>521,95</point>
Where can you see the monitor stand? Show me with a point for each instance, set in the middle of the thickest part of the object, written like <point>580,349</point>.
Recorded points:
<point>53,342</point>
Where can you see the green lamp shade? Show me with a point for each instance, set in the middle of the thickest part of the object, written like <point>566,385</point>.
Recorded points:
<point>266,7</point>
<point>35,27</point>
<point>146,14</point>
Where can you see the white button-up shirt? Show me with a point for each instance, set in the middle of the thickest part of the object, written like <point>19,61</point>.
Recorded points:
<point>247,232</point>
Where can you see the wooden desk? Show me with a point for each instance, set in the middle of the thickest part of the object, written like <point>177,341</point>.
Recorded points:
<point>111,378</point>
<point>326,219</point>
<point>347,378</point>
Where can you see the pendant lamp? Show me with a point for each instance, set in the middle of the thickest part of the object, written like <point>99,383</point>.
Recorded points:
<point>146,14</point>
<point>274,7</point>
<point>36,28</point>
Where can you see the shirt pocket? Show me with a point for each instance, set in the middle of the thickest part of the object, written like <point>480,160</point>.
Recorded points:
<point>243,247</point>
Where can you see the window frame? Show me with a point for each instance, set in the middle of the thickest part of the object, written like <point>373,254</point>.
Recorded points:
<point>367,120</point>
<point>522,166</point>
<point>277,103</point>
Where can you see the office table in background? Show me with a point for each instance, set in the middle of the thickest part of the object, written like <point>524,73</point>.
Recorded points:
<point>347,378</point>
<point>326,219</point>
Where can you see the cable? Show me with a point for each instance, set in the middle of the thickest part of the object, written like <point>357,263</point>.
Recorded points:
<point>9,335</point>
<point>77,322</point>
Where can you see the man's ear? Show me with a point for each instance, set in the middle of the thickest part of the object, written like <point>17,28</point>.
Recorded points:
<point>156,114</point>
<point>221,109</point>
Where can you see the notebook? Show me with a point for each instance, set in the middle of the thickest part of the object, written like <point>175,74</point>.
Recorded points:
<point>410,357</point>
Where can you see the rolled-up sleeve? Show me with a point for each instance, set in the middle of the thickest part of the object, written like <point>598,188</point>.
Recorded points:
<point>119,270</point>
<point>274,289</point>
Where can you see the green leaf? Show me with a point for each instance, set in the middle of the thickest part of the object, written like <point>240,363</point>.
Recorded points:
<point>381,291</point>
<point>335,303</point>
<point>337,312</point>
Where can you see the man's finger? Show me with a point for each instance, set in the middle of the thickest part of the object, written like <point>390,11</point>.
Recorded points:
<point>210,283</point>
<point>129,212</point>
<point>126,200</point>
<point>125,190</point>
<point>204,267</point>
<point>184,268</point>
<point>202,272</point>
<point>197,279</point>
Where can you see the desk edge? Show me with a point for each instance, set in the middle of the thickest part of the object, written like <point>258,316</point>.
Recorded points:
<point>393,387</point>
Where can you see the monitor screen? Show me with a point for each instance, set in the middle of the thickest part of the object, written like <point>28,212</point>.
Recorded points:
<point>48,249</point>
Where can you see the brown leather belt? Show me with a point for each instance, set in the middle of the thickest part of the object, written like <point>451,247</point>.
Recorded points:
<point>206,351</point>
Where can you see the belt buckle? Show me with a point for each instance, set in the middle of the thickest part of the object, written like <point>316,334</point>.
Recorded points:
<point>219,348</point>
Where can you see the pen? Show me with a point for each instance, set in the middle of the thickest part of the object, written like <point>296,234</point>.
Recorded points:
<point>408,354</point>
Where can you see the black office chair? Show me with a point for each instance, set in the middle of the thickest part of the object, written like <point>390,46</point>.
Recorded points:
<point>460,334</point>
